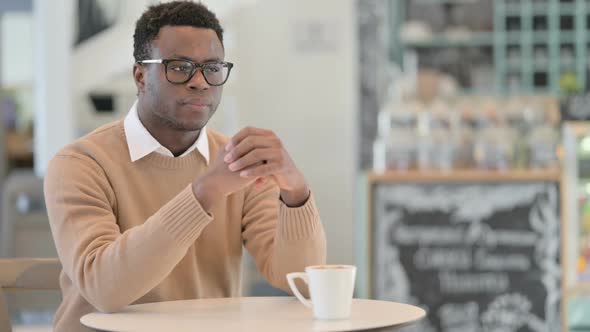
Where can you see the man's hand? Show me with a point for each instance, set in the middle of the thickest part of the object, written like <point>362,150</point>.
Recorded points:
<point>252,155</point>
<point>218,182</point>
<point>258,154</point>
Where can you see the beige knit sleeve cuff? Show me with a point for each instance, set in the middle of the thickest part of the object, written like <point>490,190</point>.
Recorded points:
<point>297,223</point>
<point>183,217</point>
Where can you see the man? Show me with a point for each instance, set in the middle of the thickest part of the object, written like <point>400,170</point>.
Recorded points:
<point>156,207</point>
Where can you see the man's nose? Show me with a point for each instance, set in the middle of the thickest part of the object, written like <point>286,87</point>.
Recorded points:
<point>198,82</point>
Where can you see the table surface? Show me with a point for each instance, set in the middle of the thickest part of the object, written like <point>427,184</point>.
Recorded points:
<point>250,314</point>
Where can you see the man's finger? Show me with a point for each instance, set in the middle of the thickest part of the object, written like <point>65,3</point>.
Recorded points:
<point>260,170</point>
<point>245,132</point>
<point>246,145</point>
<point>263,155</point>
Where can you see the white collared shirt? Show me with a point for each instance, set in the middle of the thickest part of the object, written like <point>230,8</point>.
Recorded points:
<point>141,142</point>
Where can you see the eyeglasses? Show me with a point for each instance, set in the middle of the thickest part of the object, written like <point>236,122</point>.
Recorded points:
<point>181,71</point>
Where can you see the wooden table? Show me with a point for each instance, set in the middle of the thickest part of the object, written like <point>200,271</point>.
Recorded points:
<point>250,314</point>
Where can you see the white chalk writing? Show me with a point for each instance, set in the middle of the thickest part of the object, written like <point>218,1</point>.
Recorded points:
<point>487,282</point>
<point>459,316</point>
<point>443,259</point>
<point>429,235</point>
<point>501,262</point>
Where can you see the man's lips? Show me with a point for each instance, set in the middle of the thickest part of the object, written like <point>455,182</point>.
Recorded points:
<point>196,104</point>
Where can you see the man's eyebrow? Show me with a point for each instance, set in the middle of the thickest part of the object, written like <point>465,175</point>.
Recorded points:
<point>184,57</point>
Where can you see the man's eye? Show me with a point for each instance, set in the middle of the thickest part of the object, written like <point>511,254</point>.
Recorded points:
<point>213,68</point>
<point>183,69</point>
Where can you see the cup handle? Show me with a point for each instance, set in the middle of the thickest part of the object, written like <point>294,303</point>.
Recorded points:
<point>291,280</point>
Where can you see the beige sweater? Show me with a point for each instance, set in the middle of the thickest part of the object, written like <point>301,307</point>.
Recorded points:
<point>133,232</point>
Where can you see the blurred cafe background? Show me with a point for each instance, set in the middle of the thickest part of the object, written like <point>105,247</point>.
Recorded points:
<point>447,141</point>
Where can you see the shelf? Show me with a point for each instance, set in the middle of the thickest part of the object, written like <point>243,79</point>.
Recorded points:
<point>513,9</point>
<point>438,2</point>
<point>521,175</point>
<point>535,67</point>
<point>441,40</point>
<point>19,86</point>
<point>514,68</point>
<point>541,67</point>
<point>536,9</point>
<point>540,37</point>
<point>567,37</point>
<point>540,9</point>
<point>567,9</point>
<point>580,287</point>
<point>541,91</point>
<point>33,220</point>
<point>514,37</point>
<point>477,92</point>
<point>527,27</point>
<point>566,66</point>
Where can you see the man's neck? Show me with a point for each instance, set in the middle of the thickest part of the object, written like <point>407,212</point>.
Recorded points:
<point>177,141</point>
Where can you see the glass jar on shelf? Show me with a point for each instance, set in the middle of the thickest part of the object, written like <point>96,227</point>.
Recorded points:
<point>424,144</point>
<point>494,146</point>
<point>394,148</point>
<point>542,145</point>
<point>444,136</point>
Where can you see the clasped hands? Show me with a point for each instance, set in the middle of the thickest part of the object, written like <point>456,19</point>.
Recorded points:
<point>253,155</point>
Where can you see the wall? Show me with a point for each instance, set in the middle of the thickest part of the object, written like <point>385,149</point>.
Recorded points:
<point>54,125</point>
<point>16,47</point>
<point>16,60</point>
<point>295,73</point>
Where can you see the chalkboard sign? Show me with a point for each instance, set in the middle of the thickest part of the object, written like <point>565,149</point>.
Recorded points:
<point>477,256</point>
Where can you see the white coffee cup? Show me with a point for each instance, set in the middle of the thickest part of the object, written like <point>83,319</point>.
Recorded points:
<point>331,288</point>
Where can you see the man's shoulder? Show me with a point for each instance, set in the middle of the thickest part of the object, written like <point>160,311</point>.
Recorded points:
<point>108,139</point>
<point>217,138</point>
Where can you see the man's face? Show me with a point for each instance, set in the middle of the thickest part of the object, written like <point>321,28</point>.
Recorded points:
<point>188,106</point>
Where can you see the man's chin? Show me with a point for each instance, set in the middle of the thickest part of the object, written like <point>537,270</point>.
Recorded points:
<point>190,122</point>
<point>188,126</point>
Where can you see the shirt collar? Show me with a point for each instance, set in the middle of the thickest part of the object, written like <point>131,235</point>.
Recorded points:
<point>141,142</point>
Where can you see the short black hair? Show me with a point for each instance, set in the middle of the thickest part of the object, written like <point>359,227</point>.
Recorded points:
<point>173,13</point>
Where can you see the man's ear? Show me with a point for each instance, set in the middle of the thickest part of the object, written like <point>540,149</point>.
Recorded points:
<point>139,77</point>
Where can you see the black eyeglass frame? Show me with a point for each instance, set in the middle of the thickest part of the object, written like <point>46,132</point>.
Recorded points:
<point>195,66</point>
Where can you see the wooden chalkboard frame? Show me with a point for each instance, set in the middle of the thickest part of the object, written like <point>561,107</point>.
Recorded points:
<point>457,176</point>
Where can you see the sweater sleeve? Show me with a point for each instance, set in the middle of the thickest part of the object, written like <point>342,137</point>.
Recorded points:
<point>279,238</point>
<point>110,269</point>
